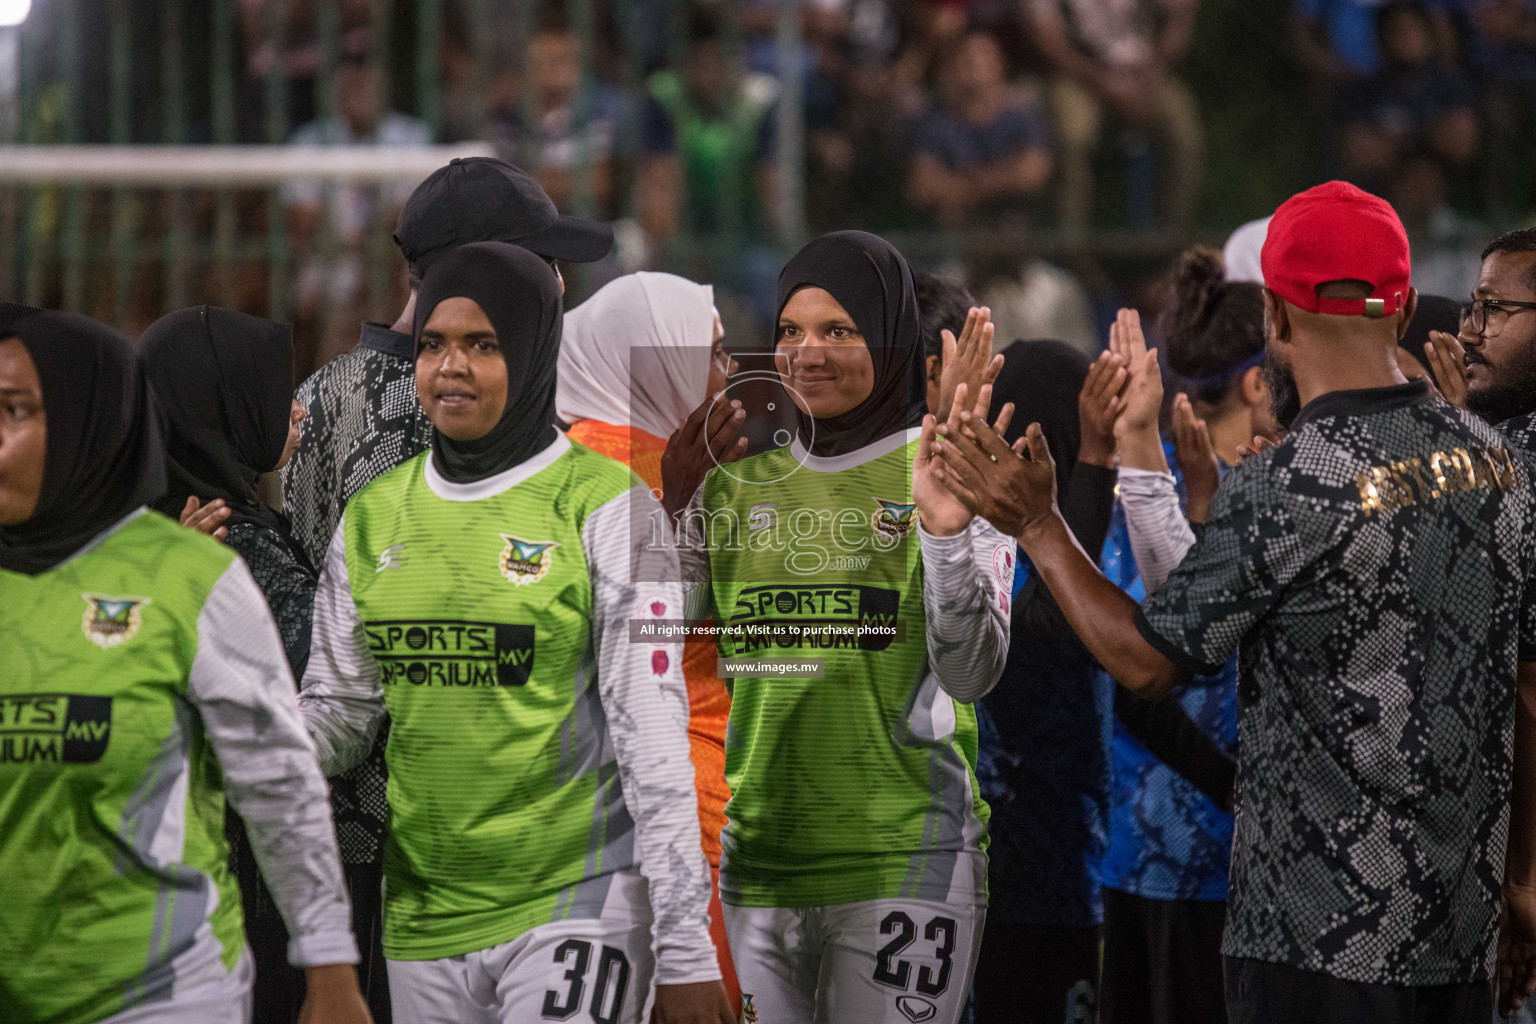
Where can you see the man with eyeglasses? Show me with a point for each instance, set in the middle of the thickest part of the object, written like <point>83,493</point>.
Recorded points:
<point>1490,366</point>
<point>1498,335</point>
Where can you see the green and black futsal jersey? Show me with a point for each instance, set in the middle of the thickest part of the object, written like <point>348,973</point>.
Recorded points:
<point>144,680</point>
<point>858,785</point>
<point>538,758</point>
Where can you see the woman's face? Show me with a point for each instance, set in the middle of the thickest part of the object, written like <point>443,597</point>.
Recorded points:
<point>721,365</point>
<point>296,416</point>
<point>23,434</point>
<point>821,356</point>
<point>461,377</point>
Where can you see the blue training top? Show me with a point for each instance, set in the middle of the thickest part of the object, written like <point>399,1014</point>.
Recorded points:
<point>1167,840</point>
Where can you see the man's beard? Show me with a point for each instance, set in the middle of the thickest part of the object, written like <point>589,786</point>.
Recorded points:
<point>1284,398</point>
<point>1510,393</point>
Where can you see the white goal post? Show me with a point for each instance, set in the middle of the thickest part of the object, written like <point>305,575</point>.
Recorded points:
<point>179,166</point>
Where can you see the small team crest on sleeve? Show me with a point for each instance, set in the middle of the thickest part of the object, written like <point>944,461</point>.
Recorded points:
<point>526,561</point>
<point>894,519</point>
<point>1002,564</point>
<point>111,621</point>
<point>748,1011</point>
<point>660,662</point>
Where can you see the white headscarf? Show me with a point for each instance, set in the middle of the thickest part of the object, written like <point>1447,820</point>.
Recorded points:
<point>1241,253</point>
<point>637,353</point>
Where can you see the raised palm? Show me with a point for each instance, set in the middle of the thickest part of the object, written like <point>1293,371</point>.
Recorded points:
<point>942,513</point>
<point>1143,395</point>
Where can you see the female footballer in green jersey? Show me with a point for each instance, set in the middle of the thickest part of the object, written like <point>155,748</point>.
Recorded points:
<point>854,871</point>
<point>144,682</point>
<point>491,597</point>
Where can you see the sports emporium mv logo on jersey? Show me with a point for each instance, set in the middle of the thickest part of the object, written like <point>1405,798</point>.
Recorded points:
<point>894,519</point>
<point>58,728</point>
<point>451,652</point>
<point>111,621</point>
<point>526,561</point>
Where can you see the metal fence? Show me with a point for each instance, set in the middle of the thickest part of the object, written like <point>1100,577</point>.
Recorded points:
<point>149,162</point>
<point>193,194</point>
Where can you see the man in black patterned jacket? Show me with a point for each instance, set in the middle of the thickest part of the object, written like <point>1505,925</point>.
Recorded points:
<point>364,418</point>
<point>1373,572</point>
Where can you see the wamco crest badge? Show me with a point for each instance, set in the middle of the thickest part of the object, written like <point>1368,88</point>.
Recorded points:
<point>894,519</point>
<point>111,621</point>
<point>526,561</point>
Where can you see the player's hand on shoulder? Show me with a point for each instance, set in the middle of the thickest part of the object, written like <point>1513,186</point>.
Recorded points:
<point>703,1002</point>
<point>209,518</point>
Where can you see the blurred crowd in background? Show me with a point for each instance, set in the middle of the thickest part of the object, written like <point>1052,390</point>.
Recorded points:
<point>1055,153</point>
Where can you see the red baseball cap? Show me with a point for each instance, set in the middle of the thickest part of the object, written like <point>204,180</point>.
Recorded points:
<point>1336,232</point>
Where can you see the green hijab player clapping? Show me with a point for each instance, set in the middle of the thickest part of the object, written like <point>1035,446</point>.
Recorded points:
<point>854,871</point>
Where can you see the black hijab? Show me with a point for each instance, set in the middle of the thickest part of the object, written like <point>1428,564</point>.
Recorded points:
<point>104,453</point>
<point>11,312</point>
<point>1042,379</point>
<point>224,382</point>
<point>871,280</point>
<point>521,298</point>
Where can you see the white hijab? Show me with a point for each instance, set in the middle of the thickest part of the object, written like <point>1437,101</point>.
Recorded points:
<point>637,353</point>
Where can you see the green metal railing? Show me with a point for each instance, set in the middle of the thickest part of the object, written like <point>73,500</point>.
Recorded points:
<point>172,73</point>
<point>180,72</point>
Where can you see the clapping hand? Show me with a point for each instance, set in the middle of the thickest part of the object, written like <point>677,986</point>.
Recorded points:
<point>1013,488</point>
<point>1141,447</point>
<point>1144,388</point>
<point>1260,444</point>
<point>968,362</point>
<point>1448,362</point>
<point>1197,459</point>
<point>1099,406</point>
<point>941,511</point>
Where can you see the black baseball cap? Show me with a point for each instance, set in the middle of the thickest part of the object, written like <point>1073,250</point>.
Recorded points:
<point>482,199</point>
